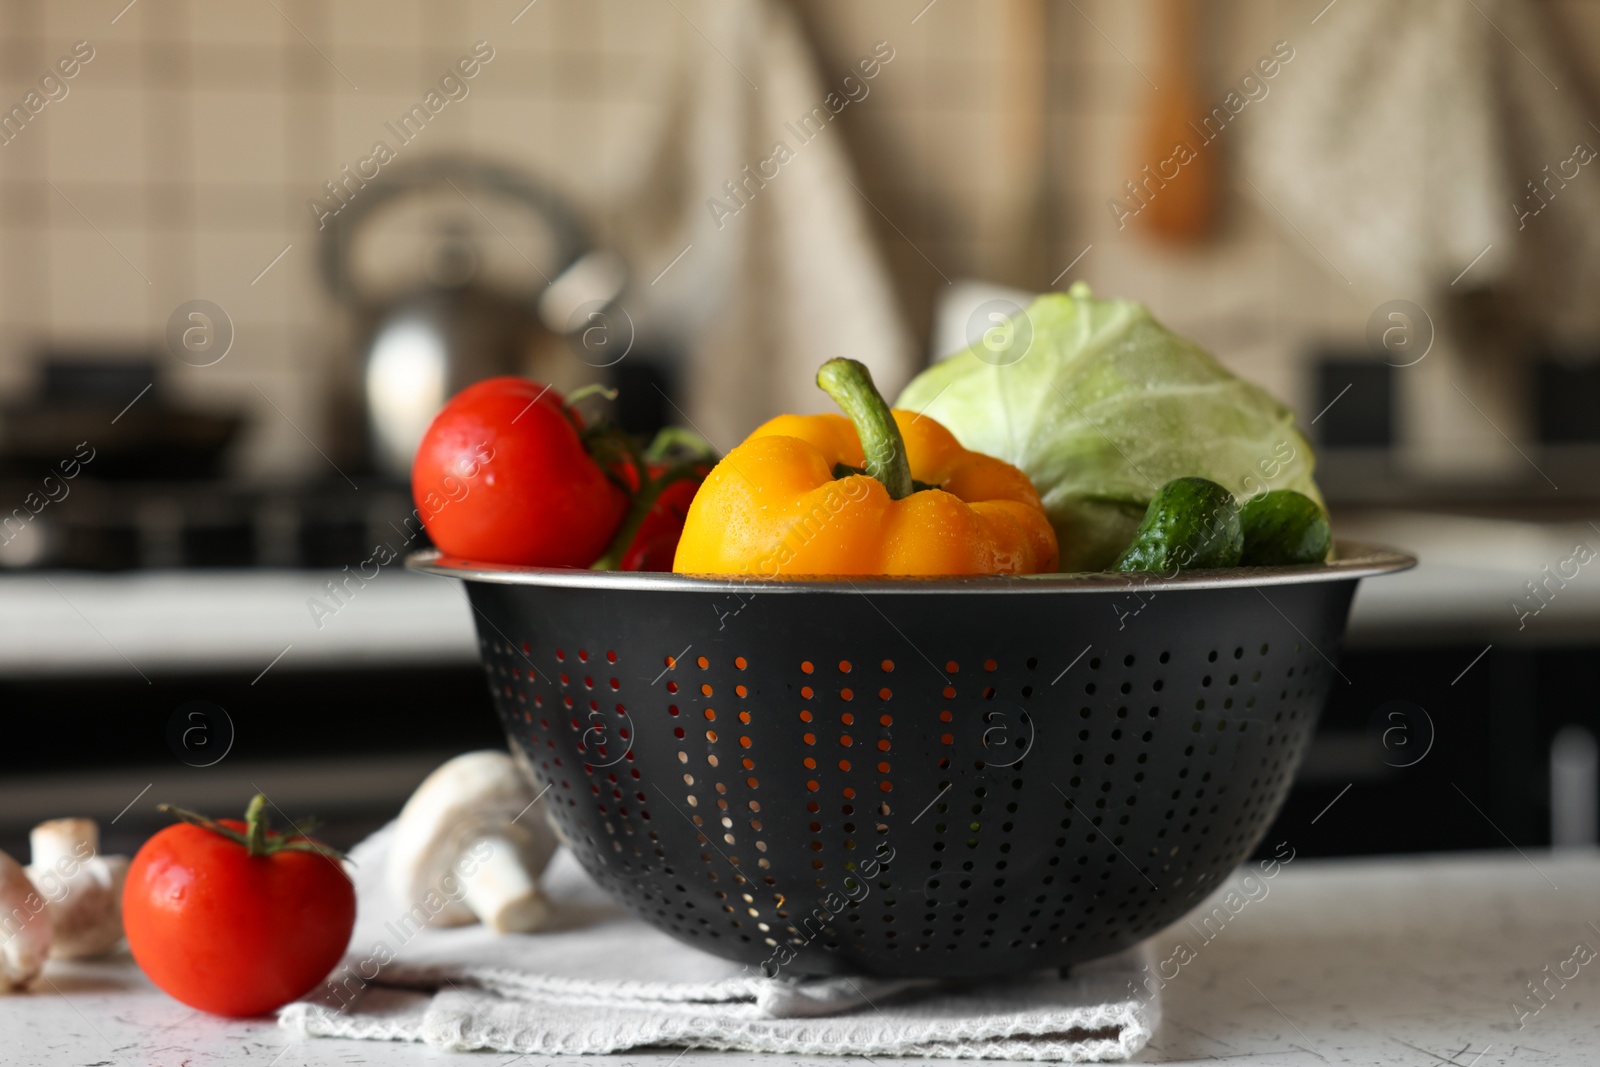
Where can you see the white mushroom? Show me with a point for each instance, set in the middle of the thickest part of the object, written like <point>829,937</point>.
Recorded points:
<point>82,889</point>
<point>24,927</point>
<point>468,847</point>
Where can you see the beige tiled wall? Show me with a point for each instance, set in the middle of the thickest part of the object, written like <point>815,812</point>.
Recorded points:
<point>180,163</point>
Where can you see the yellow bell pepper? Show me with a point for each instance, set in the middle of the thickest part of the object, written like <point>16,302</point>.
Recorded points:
<point>802,496</point>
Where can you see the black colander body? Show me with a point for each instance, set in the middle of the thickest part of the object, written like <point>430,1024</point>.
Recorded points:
<point>926,779</point>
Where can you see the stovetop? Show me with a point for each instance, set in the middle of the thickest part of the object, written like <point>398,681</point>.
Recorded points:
<point>138,525</point>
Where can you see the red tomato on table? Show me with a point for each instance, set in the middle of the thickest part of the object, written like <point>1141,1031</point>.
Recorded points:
<point>233,933</point>
<point>502,476</point>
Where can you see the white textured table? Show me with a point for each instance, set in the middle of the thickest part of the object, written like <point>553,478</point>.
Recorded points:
<point>1417,961</point>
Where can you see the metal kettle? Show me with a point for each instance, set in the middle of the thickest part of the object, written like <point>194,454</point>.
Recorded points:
<point>418,346</point>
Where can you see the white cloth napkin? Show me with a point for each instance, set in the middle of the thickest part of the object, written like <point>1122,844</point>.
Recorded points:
<point>602,981</point>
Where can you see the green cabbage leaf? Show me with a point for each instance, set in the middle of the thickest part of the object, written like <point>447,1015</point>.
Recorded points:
<point>1102,408</point>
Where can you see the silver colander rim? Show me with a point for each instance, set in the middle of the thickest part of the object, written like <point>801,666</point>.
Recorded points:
<point>1353,560</point>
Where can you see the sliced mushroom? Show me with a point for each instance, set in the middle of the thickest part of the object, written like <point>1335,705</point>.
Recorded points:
<point>468,846</point>
<point>82,889</point>
<point>25,934</point>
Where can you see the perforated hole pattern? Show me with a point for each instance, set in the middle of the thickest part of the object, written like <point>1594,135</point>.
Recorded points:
<point>931,784</point>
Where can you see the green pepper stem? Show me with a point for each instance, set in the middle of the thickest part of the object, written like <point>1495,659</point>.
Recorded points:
<point>849,383</point>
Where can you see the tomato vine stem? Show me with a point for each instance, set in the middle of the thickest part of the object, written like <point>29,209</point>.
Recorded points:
<point>258,838</point>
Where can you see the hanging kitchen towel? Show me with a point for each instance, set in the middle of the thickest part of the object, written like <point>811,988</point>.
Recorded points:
<point>1407,142</point>
<point>749,209</point>
<point>602,981</point>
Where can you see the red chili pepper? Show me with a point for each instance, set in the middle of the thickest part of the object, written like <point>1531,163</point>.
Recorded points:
<point>673,467</point>
<point>656,543</point>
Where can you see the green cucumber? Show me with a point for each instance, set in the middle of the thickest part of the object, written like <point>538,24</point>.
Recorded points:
<point>1283,528</point>
<point>1191,523</point>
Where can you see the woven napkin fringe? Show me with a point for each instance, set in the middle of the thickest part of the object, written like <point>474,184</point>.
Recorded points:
<point>1040,1018</point>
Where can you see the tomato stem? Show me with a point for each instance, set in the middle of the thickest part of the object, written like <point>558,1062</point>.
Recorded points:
<point>584,392</point>
<point>258,838</point>
<point>849,383</point>
<point>255,825</point>
<point>616,452</point>
<point>670,438</point>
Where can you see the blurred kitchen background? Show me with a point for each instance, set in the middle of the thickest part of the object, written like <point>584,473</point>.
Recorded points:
<point>235,312</point>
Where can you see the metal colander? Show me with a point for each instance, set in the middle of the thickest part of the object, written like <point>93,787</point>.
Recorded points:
<point>904,777</point>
